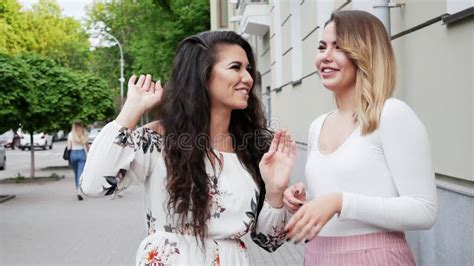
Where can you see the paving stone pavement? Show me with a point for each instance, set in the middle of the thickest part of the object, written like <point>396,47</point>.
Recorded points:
<point>46,225</point>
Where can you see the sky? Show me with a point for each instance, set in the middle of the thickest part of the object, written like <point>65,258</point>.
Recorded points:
<point>75,9</point>
<point>71,8</point>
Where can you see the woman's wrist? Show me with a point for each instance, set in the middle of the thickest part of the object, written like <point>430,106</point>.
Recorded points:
<point>274,198</point>
<point>130,114</point>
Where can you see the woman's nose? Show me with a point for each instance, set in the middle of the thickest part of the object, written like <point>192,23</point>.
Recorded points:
<point>247,78</point>
<point>328,55</point>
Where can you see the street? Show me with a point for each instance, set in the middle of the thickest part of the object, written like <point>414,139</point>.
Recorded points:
<point>45,224</point>
<point>18,161</point>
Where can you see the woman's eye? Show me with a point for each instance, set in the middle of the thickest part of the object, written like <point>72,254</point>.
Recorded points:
<point>235,67</point>
<point>321,48</point>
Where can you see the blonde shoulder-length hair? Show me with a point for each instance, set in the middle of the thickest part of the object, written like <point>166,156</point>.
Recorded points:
<point>364,39</point>
<point>78,133</point>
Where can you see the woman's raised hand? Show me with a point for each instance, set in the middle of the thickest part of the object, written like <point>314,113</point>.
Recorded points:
<point>144,92</point>
<point>276,166</point>
<point>143,95</point>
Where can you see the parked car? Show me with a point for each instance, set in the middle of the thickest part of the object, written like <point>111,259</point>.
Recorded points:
<point>39,140</point>
<point>59,136</point>
<point>3,158</point>
<point>93,134</point>
<point>10,139</point>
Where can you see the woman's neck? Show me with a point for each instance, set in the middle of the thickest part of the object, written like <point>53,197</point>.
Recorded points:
<point>346,101</point>
<point>219,129</point>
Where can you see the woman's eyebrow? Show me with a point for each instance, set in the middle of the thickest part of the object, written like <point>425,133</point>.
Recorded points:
<point>323,42</point>
<point>235,62</point>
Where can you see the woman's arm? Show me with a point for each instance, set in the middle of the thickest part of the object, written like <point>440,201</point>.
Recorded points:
<point>121,155</point>
<point>408,156</point>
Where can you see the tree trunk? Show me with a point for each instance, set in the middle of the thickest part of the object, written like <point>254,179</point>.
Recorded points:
<point>32,149</point>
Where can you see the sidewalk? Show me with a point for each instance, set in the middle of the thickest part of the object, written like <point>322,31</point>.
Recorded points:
<point>46,225</point>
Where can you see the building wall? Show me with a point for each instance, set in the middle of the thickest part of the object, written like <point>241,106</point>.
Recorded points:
<point>435,78</point>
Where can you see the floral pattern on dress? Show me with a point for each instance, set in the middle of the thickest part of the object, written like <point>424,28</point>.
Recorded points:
<point>186,229</point>
<point>145,139</point>
<point>215,195</point>
<point>113,182</point>
<point>150,223</point>
<point>252,218</point>
<point>216,261</point>
<point>271,241</point>
<point>158,255</point>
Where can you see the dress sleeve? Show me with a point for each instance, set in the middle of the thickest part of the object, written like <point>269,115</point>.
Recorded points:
<point>269,232</point>
<point>407,153</point>
<point>119,157</point>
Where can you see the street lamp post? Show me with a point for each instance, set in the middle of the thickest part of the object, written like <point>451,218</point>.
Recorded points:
<point>122,79</point>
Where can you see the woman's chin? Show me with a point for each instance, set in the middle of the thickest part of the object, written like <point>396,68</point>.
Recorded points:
<point>240,106</point>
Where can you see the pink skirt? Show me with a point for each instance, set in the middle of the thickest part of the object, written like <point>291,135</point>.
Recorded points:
<point>386,248</point>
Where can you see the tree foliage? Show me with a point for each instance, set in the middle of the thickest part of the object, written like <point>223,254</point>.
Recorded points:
<point>42,95</point>
<point>43,30</point>
<point>149,30</point>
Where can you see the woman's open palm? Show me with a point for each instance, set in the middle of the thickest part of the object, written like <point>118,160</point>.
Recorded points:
<point>276,165</point>
<point>144,91</point>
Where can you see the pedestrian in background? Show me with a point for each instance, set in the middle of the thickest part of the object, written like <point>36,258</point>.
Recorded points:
<point>211,171</point>
<point>77,144</point>
<point>369,164</point>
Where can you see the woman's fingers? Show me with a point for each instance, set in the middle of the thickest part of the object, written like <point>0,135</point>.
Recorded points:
<point>291,207</point>
<point>281,144</point>
<point>288,142</point>
<point>293,203</point>
<point>293,150</point>
<point>298,225</point>
<point>140,81</point>
<point>296,217</point>
<point>158,87</point>
<point>289,194</point>
<point>299,188</point>
<point>303,233</point>
<point>132,80</point>
<point>151,88</point>
<point>146,84</point>
<point>275,142</point>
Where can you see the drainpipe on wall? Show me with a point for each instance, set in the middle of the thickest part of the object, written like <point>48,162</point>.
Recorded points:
<point>382,11</point>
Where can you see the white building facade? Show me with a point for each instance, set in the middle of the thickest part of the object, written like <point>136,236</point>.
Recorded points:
<point>433,42</point>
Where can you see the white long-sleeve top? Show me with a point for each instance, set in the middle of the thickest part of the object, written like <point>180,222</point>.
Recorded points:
<point>386,177</point>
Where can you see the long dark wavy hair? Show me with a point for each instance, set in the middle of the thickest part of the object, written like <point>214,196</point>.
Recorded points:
<point>186,113</point>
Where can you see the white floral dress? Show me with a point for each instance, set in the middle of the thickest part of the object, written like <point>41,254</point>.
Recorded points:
<point>120,157</point>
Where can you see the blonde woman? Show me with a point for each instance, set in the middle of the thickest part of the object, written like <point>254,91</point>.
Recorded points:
<point>77,144</point>
<point>369,163</point>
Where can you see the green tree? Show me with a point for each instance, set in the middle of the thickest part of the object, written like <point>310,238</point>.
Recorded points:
<point>43,30</point>
<point>149,30</point>
<point>42,96</point>
<point>37,90</point>
<point>14,82</point>
<point>97,99</point>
